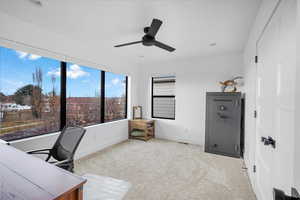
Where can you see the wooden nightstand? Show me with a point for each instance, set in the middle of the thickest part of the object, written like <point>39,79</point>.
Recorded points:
<point>147,126</point>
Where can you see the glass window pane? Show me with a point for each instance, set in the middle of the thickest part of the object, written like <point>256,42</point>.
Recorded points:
<point>164,107</point>
<point>29,94</point>
<point>83,95</point>
<point>163,86</point>
<point>115,96</point>
<point>163,97</point>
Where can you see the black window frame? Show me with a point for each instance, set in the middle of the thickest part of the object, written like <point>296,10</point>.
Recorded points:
<point>63,101</point>
<point>103,73</point>
<point>63,119</point>
<point>161,96</point>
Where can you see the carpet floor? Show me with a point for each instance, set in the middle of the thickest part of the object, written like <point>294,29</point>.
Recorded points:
<point>165,170</point>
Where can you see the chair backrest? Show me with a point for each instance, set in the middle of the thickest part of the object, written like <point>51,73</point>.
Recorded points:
<point>67,143</point>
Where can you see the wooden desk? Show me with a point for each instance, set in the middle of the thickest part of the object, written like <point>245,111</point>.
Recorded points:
<point>24,177</point>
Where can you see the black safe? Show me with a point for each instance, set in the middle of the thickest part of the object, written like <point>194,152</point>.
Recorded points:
<point>224,124</point>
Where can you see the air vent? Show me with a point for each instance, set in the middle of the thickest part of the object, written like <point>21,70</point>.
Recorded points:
<point>36,2</point>
<point>183,143</point>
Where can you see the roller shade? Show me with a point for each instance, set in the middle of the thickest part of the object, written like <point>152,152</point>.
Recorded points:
<point>163,97</point>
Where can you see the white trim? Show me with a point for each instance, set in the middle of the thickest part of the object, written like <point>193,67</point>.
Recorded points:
<point>58,132</point>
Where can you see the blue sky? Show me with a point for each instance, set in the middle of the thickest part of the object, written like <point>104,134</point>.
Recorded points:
<point>16,70</point>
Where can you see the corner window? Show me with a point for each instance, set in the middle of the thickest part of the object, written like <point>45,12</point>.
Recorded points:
<point>163,97</point>
<point>40,95</point>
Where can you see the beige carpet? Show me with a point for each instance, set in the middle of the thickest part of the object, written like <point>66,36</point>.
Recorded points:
<point>165,170</point>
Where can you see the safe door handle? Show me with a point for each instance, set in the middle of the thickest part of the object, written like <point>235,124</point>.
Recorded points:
<point>222,116</point>
<point>236,148</point>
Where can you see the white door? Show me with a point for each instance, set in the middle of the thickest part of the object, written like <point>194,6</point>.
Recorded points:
<point>275,101</point>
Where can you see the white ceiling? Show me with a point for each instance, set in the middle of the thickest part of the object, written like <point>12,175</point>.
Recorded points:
<point>188,25</point>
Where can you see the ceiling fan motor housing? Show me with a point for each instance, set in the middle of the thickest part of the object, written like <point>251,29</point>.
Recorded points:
<point>146,29</point>
<point>148,40</point>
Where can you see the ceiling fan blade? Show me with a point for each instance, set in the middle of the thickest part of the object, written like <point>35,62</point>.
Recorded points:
<point>126,44</point>
<point>163,46</point>
<point>155,25</point>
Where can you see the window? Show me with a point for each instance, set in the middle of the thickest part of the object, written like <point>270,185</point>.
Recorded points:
<point>83,95</point>
<point>29,95</point>
<point>40,95</point>
<point>163,97</point>
<point>115,96</point>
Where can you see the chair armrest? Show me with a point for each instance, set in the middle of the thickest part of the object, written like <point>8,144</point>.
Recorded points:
<point>61,163</point>
<point>41,151</point>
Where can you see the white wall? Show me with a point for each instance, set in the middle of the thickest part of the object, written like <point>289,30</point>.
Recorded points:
<point>62,47</point>
<point>97,138</point>
<point>194,77</point>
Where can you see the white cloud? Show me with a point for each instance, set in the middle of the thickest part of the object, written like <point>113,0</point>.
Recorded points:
<point>73,72</point>
<point>55,72</point>
<point>11,86</point>
<point>21,54</point>
<point>115,81</point>
<point>33,57</point>
<point>124,83</point>
<point>24,55</point>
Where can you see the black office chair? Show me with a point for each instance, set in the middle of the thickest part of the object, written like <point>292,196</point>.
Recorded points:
<point>64,148</point>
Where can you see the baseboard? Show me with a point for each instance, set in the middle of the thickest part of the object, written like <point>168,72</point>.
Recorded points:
<point>176,139</point>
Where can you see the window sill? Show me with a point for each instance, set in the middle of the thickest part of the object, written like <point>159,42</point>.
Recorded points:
<point>160,118</point>
<point>34,137</point>
<point>58,132</point>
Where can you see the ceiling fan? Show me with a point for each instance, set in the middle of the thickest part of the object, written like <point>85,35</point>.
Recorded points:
<point>149,37</point>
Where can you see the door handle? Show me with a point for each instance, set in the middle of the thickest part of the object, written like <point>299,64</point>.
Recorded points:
<point>268,141</point>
